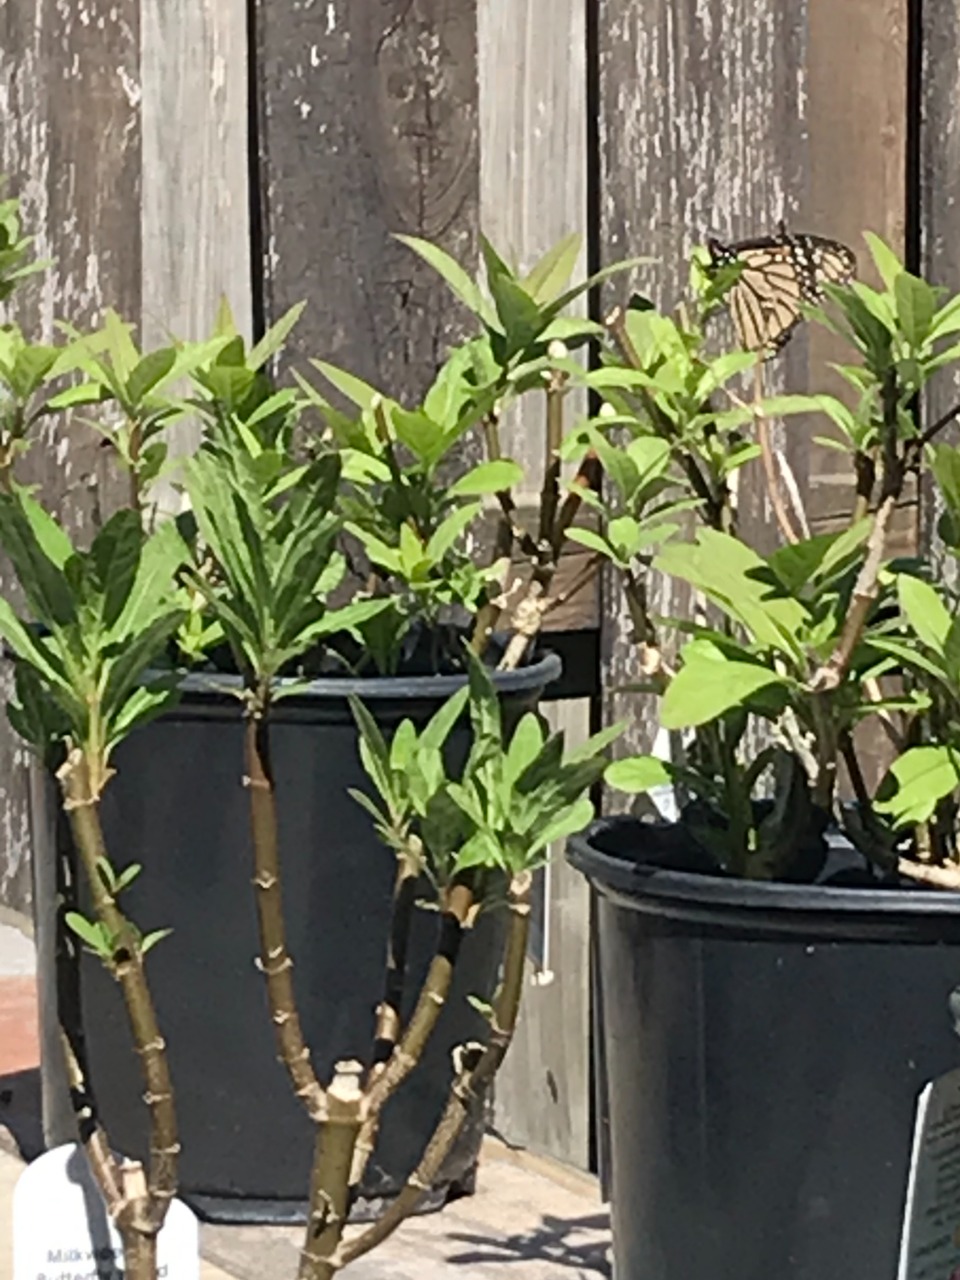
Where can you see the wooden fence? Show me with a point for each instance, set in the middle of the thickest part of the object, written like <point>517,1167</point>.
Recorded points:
<point>170,151</point>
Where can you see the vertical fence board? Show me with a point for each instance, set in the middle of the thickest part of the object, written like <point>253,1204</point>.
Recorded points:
<point>939,200</point>
<point>368,126</point>
<point>195,188</point>
<point>70,148</point>
<point>701,131</point>
<point>195,211</point>
<point>533,192</point>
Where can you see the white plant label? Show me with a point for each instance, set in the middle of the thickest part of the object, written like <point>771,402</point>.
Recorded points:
<point>61,1230</point>
<point>930,1243</point>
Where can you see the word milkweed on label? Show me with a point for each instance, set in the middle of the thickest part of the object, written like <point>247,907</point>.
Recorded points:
<point>777,275</point>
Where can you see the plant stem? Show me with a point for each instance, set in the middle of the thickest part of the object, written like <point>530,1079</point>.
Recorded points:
<point>588,477</point>
<point>275,961</point>
<point>936,877</point>
<point>387,1076</point>
<point>143,1201</point>
<point>330,1178</point>
<point>550,493</point>
<point>477,1067</point>
<point>388,1012</point>
<point>769,462</point>
<point>831,674</point>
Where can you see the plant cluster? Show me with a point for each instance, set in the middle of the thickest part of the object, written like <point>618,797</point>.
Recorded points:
<point>311,536</point>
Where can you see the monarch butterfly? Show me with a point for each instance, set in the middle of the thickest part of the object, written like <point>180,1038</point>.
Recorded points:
<point>778,273</point>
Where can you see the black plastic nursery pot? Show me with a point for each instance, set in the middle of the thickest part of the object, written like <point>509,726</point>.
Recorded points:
<point>178,807</point>
<point>761,1048</point>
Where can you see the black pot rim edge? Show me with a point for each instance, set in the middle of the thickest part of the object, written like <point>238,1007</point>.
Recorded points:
<point>542,673</point>
<point>631,884</point>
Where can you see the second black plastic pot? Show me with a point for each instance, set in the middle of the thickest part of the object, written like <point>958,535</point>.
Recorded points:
<point>761,1051</point>
<point>177,806</point>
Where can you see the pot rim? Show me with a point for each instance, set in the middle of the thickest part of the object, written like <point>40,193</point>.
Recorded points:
<point>632,882</point>
<point>543,672</point>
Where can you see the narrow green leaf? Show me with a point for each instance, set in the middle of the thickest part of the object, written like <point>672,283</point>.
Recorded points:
<point>552,273</point>
<point>458,280</point>
<point>275,337</point>
<point>926,612</point>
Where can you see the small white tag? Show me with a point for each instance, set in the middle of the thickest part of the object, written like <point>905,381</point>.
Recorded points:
<point>930,1243</point>
<point>61,1230</point>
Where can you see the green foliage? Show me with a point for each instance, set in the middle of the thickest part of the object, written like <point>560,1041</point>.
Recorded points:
<point>514,796</point>
<point>15,250</point>
<point>99,622</point>
<point>270,533</point>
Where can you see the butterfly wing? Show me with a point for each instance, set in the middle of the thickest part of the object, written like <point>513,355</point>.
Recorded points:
<point>777,275</point>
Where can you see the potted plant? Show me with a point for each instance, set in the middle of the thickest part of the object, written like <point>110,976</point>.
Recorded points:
<point>776,953</point>
<point>465,789</point>
<point>390,630</point>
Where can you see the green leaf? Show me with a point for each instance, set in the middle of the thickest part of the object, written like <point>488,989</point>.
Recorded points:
<point>127,876</point>
<point>459,281</point>
<point>149,373</point>
<point>88,931</point>
<point>150,940</point>
<point>446,536</point>
<point>350,386</point>
<point>916,304</point>
<point>30,649</point>
<point>637,774</point>
<point>924,775</point>
<point>888,264</point>
<point>702,690</point>
<point>442,722</point>
<point>925,611</point>
<point>486,478</point>
<point>36,546</point>
<point>116,555</point>
<point>525,746</point>
<point>552,273</point>
<point>520,316</point>
<point>403,744</point>
<point>567,822</point>
<point>275,337</point>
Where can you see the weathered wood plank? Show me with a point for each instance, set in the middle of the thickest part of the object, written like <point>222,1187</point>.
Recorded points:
<point>855,182</point>
<point>939,201</point>
<point>368,126</point>
<point>726,117</point>
<point>195,209</point>
<point>701,131</point>
<point>542,1095</point>
<point>70,146</point>
<point>533,192</point>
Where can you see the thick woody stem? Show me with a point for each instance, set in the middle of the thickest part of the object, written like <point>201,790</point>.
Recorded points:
<point>330,1179</point>
<point>537,603</point>
<point>275,961</point>
<point>106,1169</point>
<point>831,674</point>
<point>81,780</point>
<point>947,877</point>
<point>388,1076</point>
<point>476,1069</point>
<point>587,477</point>
<point>388,1012</point>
